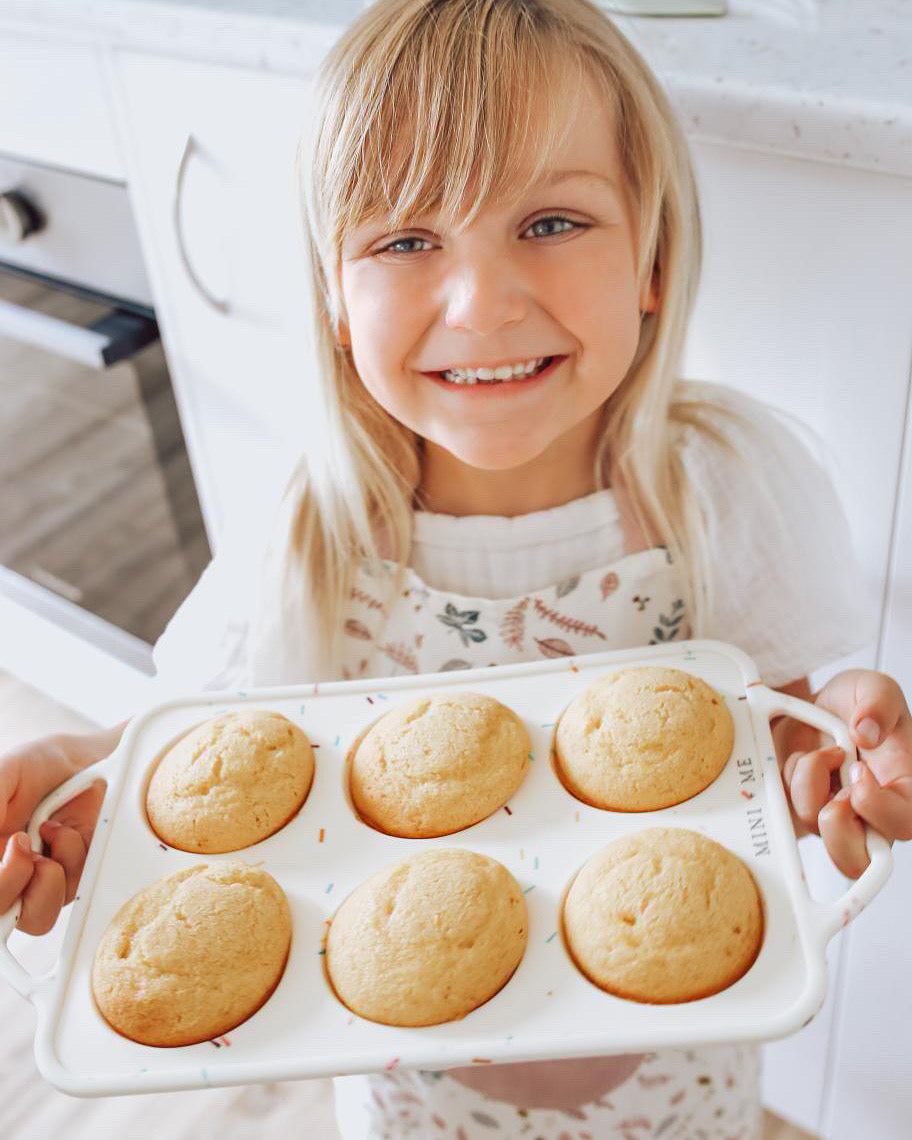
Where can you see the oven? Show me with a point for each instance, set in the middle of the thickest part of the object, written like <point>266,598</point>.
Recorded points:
<point>101,530</point>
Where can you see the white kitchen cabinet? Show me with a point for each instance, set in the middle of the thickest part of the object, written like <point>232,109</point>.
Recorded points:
<point>896,643</point>
<point>870,1092</point>
<point>55,108</point>
<point>805,302</point>
<point>210,154</point>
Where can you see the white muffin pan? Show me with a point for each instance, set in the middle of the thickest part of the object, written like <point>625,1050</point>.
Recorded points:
<point>548,1009</point>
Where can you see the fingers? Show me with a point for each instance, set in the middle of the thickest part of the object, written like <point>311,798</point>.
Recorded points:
<point>15,869</point>
<point>887,808</point>
<point>879,706</point>
<point>40,882</point>
<point>45,883</point>
<point>69,831</point>
<point>871,703</point>
<point>843,835</point>
<point>841,822</point>
<point>42,899</point>
<point>808,778</point>
<point>81,812</point>
<point>790,735</point>
<point>840,819</point>
<point>9,783</point>
<point>67,847</point>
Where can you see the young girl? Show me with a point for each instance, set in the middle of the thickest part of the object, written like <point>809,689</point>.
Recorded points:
<point>505,243</point>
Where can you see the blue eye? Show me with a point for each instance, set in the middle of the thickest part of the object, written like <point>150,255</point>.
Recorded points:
<point>556,218</point>
<point>391,248</point>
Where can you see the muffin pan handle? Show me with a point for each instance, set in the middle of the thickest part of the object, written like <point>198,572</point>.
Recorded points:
<point>10,969</point>
<point>831,917</point>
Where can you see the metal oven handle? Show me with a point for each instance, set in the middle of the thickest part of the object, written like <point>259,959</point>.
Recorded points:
<point>116,336</point>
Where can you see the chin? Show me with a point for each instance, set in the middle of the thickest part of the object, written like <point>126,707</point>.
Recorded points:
<point>495,458</point>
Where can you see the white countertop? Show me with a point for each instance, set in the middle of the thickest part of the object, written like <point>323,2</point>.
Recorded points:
<point>829,80</point>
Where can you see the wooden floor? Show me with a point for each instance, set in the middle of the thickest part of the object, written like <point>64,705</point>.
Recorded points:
<point>32,1110</point>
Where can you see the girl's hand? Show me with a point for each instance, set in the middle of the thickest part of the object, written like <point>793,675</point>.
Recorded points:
<point>873,706</point>
<point>28,773</point>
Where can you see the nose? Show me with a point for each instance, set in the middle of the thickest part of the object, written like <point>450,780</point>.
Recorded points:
<point>484,294</point>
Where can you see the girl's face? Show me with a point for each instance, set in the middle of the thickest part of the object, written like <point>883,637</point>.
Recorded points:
<point>552,275</point>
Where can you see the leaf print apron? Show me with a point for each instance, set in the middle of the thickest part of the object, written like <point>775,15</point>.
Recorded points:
<point>635,601</point>
<point>698,1094</point>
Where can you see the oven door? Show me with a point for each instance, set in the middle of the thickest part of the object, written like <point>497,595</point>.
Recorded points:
<point>101,533</point>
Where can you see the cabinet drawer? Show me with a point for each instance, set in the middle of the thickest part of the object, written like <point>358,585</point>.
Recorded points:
<point>55,107</point>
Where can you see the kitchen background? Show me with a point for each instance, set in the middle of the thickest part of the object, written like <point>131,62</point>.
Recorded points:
<point>153,368</point>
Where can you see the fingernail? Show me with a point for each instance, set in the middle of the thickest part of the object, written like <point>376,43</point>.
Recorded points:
<point>869,731</point>
<point>855,773</point>
<point>843,794</point>
<point>24,843</point>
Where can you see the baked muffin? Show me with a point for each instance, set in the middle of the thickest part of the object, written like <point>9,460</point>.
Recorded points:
<point>191,956</point>
<point>438,764</point>
<point>663,915</point>
<point>428,939</point>
<point>231,782</point>
<point>642,739</point>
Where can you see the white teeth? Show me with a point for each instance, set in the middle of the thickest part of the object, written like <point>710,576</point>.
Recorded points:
<point>489,375</point>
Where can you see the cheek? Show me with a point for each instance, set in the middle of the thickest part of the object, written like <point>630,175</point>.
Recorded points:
<point>396,393</point>
<point>393,398</point>
<point>376,337</point>
<point>371,306</point>
<point>599,299</point>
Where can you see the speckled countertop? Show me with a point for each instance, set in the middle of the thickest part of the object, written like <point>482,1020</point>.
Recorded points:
<point>824,79</point>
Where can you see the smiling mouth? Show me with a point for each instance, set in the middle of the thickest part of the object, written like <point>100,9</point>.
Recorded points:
<point>546,368</point>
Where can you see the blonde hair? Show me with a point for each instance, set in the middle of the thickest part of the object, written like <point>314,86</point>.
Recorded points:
<point>461,80</point>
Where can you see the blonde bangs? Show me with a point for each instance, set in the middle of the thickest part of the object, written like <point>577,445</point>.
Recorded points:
<point>449,127</point>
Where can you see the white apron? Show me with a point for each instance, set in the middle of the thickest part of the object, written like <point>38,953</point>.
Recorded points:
<point>700,1094</point>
